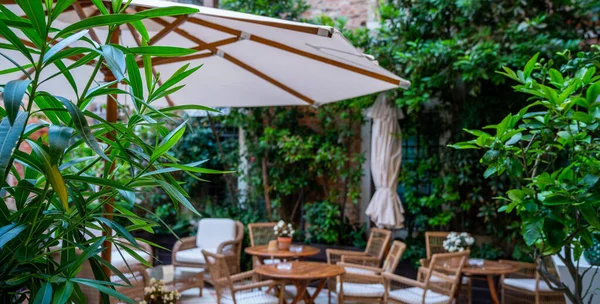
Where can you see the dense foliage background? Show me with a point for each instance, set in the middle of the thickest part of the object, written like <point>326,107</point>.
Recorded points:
<point>450,50</point>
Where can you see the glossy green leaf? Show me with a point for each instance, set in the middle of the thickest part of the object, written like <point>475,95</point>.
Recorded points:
<point>115,59</point>
<point>167,11</point>
<point>60,7</point>
<point>120,230</point>
<point>9,137</point>
<point>36,14</point>
<point>14,91</point>
<point>9,232</point>
<point>63,44</point>
<point>9,35</point>
<point>177,195</point>
<point>168,142</point>
<point>590,214</point>
<point>52,173</point>
<point>161,51</point>
<point>58,137</point>
<point>135,80</point>
<point>63,293</point>
<point>82,126</point>
<point>101,286</point>
<point>44,295</point>
<point>97,21</point>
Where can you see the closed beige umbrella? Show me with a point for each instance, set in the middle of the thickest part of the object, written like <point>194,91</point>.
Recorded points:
<point>385,208</point>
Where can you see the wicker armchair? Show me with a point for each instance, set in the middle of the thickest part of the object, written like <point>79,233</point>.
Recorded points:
<point>434,243</point>
<point>240,288</point>
<point>261,234</point>
<point>222,236</point>
<point>527,286</point>
<point>364,284</point>
<point>138,277</point>
<point>407,291</point>
<point>373,254</point>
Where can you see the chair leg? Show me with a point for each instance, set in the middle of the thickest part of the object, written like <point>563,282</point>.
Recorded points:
<point>470,291</point>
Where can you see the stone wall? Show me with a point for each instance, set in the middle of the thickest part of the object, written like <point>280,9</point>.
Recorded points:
<point>358,12</point>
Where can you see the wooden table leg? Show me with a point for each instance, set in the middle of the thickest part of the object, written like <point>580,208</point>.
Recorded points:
<point>493,292</point>
<point>318,291</point>
<point>301,286</point>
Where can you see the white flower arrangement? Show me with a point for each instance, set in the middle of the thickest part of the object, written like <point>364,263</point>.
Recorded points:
<point>284,230</point>
<point>157,293</point>
<point>456,242</point>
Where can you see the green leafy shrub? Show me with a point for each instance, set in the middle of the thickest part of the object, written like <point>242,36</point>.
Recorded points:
<point>551,146</point>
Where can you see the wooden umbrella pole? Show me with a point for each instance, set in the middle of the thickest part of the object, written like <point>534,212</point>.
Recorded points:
<point>111,117</point>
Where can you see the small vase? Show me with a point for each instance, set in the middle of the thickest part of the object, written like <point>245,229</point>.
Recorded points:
<point>284,243</point>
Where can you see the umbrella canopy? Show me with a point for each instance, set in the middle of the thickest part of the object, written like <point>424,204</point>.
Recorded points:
<point>248,60</point>
<point>385,208</point>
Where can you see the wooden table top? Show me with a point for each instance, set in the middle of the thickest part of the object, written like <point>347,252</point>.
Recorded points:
<point>301,271</point>
<point>489,268</point>
<point>263,251</point>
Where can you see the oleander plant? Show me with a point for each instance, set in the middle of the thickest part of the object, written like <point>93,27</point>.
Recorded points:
<point>57,197</point>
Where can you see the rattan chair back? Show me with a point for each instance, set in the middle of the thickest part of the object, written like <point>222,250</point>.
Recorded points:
<point>379,239</point>
<point>446,268</point>
<point>393,258</point>
<point>261,233</point>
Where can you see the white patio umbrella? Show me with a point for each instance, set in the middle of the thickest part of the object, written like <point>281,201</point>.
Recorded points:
<point>385,208</point>
<point>248,60</point>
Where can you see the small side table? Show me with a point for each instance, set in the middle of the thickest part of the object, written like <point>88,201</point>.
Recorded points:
<point>489,270</point>
<point>263,253</point>
<point>301,274</point>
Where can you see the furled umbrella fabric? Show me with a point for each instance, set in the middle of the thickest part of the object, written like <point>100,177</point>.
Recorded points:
<point>385,208</point>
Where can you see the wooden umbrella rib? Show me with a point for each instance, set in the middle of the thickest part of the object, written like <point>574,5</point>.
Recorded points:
<point>79,10</point>
<point>267,78</point>
<point>168,29</point>
<point>298,52</point>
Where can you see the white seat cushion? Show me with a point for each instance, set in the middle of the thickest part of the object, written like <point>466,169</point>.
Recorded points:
<point>193,256</point>
<point>436,279</point>
<point>214,232</point>
<point>362,290</point>
<point>527,284</point>
<point>414,295</point>
<point>251,297</point>
<point>119,261</point>
<point>354,270</point>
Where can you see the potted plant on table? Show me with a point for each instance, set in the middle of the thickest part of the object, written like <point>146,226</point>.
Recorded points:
<point>458,242</point>
<point>284,234</point>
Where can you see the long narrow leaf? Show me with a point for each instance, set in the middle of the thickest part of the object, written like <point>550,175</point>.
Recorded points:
<point>13,97</point>
<point>63,44</point>
<point>10,234</point>
<point>9,137</point>
<point>82,126</point>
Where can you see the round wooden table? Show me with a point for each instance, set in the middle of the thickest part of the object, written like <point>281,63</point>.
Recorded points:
<point>301,274</point>
<point>489,270</point>
<point>263,253</point>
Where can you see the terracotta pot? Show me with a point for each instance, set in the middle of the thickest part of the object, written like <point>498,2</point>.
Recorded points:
<point>284,243</point>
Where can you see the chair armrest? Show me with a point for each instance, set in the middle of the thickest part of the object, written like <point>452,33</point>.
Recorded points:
<point>182,244</point>
<point>376,270</point>
<point>403,280</point>
<point>255,285</point>
<point>360,259</point>
<point>223,246</point>
<point>244,275</point>
<point>335,255</point>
